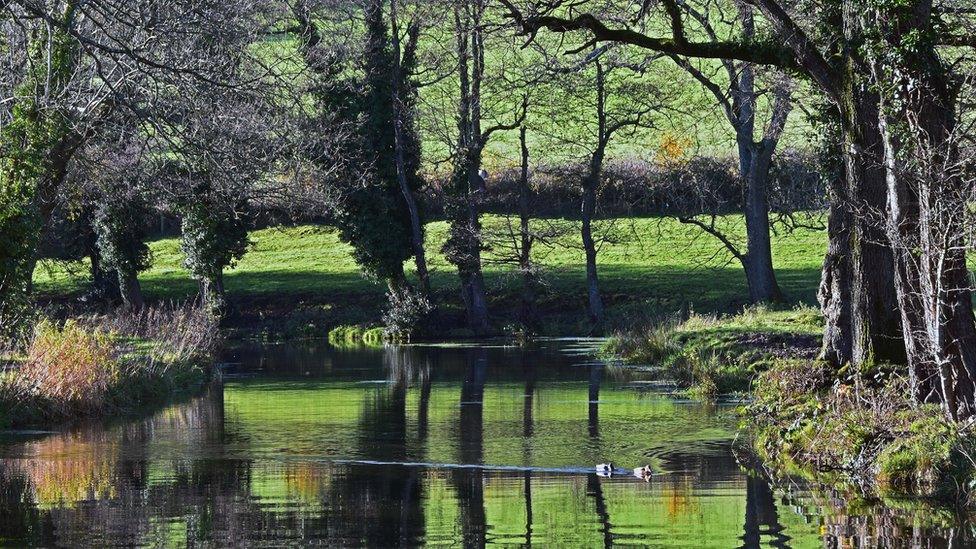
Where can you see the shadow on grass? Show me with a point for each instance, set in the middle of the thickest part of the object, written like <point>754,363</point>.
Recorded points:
<point>630,292</point>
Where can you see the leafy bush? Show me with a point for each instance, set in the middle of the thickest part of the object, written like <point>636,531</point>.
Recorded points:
<point>342,336</point>
<point>374,337</point>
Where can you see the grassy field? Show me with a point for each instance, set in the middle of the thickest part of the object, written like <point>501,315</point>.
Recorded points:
<point>651,267</point>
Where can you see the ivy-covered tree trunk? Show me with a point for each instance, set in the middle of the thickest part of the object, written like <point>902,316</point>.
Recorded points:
<point>406,141</point>
<point>464,244</point>
<point>374,204</point>
<point>214,237</point>
<point>105,284</point>
<point>119,225</point>
<point>213,296</point>
<point>37,146</point>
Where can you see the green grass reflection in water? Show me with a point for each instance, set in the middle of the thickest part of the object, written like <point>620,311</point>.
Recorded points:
<point>453,445</point>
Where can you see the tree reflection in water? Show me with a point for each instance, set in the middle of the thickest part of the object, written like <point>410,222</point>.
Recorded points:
<point>402,446</point>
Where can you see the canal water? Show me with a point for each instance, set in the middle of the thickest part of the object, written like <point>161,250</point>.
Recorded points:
<point>460,445</point>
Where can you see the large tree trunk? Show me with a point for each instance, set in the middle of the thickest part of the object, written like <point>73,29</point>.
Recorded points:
<point>857,291</point>
<point>416,226</point>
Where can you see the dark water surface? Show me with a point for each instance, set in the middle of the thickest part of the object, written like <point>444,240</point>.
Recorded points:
<point>454,445</point>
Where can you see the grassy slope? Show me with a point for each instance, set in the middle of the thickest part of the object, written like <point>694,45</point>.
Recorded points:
<point>654,266</point>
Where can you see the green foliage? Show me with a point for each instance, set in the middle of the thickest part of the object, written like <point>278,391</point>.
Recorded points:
<point>346,335</point>
<point>374,337</point>
<point>119,224</point>
<point>370,210</point>
<point>354,335</point>
<point>214,237</point>
<point>931,456</point>
<point>31,146</point>
<point>463,243</point>
<point>818,421</point>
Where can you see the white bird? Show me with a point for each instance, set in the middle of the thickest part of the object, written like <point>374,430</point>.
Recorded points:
<point>643,472</point>
<point>604,467</point>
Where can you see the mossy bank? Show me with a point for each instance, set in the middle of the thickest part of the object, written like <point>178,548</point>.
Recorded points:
<point>843,427</point>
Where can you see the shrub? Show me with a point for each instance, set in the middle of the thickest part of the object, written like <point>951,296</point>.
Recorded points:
<point>374,337</point>
<point>70,365</point>
<point>99,365</point>
<point>407,312</point>
<point>342,336</point>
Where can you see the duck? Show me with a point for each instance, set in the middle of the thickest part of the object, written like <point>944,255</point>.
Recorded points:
<point>605,468</point>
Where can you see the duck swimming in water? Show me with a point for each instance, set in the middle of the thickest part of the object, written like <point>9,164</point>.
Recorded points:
<point>643,472</point>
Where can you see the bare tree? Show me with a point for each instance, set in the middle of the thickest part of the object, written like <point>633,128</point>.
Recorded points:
<point>619,100</point>
<point>464,245</point>
<point>739,100</point>
<point>872,61</point>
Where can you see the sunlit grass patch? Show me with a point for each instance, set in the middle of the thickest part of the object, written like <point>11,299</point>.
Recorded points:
<point>651,267</point>
<point>709,355</point>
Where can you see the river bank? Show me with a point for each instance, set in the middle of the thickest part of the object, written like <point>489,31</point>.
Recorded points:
<point>106,366</point>
<point>855,428</point>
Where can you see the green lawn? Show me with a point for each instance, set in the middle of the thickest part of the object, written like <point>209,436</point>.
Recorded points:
<point>651,266</point>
